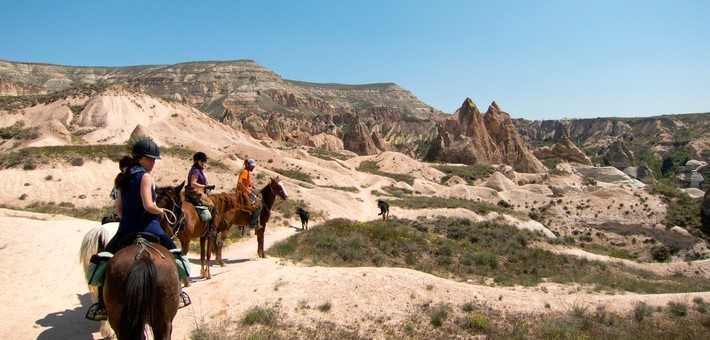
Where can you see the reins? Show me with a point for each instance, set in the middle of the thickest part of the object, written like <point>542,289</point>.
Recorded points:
<point>143,246</point>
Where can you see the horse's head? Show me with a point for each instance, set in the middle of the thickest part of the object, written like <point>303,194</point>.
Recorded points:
<point>277,187</point>
<point>170,199</point>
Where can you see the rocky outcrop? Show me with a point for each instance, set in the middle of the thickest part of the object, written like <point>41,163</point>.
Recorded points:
<point>642,172</point>
<point>618,155</point>
<point>358,140</point>
<point>609,174</point>
<point>235,91</point>
<point>564,149</point>
<point>705,213</point>
<point>464,140</point>
<point>139,131</point>
<point>325,141</point>
<point>471,138</point>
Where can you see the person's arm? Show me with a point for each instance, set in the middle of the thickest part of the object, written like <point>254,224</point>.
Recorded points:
<point>119,204</point>
<point>147,196</point>
<point>193,182</point>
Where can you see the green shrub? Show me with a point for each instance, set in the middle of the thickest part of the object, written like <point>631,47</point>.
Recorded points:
<point>661,253</point>
<point>260,315</point>
<point>295,174</point>
<point>470,173</point>
<point>642,311</point>
<point>438,315</point>
<point>678,308</point>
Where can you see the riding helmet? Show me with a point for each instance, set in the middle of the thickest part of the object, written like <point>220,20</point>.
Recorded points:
<point>199,156</point>
<point>147,148</point>
<point>250,162</point>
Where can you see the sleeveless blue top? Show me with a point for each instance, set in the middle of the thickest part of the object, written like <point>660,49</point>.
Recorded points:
<point>134,218</point>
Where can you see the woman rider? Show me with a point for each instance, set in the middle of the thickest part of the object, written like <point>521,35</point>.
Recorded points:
<point>136,207</point>
<point>244,186</point>
<point>197,185</point>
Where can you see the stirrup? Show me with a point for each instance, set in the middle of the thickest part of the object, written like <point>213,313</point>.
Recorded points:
<point>184,300</point>
<point>96,313</point>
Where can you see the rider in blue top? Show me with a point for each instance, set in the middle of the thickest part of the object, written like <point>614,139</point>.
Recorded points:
<point>137,209</point>
<point>136,203</point>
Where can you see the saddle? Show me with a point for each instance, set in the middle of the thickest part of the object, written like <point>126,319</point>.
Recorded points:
<point>245,203</point>
<point>98,262</point>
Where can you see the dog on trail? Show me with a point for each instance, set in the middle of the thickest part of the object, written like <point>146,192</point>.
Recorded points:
<point>304,218</point>
<point>384,209</point>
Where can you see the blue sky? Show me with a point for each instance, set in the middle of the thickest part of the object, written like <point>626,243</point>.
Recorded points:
<point>536,59</point>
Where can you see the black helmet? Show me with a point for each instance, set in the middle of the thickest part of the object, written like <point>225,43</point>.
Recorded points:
<point>147,148</point>
<point>199,156</point>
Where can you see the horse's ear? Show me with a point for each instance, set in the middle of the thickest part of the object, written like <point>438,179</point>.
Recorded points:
<point>179,187</point>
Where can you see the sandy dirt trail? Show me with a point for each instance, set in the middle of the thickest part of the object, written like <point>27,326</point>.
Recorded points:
<point>44,295</point>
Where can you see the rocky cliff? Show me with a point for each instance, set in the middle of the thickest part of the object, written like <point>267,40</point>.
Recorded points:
<point>471,138</point>
<point>249,97</point>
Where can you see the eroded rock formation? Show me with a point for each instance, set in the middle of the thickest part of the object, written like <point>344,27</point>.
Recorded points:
<point>564,149</point>
<point>470,138</point>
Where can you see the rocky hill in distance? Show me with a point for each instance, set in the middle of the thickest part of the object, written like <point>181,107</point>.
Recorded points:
<point>245,95</point>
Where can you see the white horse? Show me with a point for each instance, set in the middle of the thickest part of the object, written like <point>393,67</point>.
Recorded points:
<point>94,242</point>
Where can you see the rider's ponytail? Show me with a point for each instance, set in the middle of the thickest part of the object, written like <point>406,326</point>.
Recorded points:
<point>121,180</point>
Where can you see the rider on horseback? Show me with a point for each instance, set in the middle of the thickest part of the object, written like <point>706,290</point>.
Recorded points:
<point>197,187</point>
<point>244,187</point>
<point>137,209</point>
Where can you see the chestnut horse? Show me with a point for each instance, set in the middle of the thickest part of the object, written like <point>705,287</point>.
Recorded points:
<point>141,287</point>
<point>241,218</point>
<point>193,227</point>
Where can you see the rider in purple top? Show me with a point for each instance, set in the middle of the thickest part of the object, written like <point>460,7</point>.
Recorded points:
<point>197,187</point>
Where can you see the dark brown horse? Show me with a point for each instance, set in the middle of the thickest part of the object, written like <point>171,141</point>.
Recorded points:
<point>236,216</point>
<point>141,287</point>
<point>170,199</point>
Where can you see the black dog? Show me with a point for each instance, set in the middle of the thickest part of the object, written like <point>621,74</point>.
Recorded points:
<point>384,209</point>
<point>304,218</point>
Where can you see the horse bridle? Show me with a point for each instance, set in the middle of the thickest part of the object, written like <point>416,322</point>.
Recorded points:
<point>273,192</point>
<point>175,222</point>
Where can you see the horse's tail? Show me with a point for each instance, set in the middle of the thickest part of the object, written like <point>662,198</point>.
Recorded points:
<point>94,242</point>
<point>140,292</point>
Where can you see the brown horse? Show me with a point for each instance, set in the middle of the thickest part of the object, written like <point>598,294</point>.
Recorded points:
<point>241,218</point>
<point>194,227</point>
<point>141,287</point>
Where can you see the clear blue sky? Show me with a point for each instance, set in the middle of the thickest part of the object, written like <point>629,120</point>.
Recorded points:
<point>536,59</point>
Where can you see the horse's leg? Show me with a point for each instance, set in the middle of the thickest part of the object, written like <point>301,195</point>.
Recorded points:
<point>219,243</point>
<point>203,256</point>
<point>208,256</point>
<point>162,330</point>
<point>260,242</point>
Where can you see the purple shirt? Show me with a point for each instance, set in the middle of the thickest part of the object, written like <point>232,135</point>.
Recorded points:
<point>200,176</point>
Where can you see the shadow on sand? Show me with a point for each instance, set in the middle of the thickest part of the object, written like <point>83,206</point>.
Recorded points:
<point>70,323</point>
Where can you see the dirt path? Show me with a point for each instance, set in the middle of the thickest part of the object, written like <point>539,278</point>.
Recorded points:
<point>44,295</point>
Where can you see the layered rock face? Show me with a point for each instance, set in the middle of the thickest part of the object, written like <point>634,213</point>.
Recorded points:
<point>659,136</point>
<point>705,213</point>
<point>618,155</point>
<point>564,149</point>
<point>249,97</point>
<point>492,138</point>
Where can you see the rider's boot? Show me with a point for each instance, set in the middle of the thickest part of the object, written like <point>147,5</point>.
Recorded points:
<point>211,231</point>
<point>184,299</point>
<point>97,311</point>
